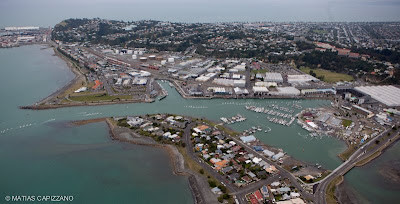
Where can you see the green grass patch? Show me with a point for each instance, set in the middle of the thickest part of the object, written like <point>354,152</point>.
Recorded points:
<point>348,152</point>
<point>99,97</point>
<point>346,123</point>
<point>328,76</point>
<point>330,191</point>
<point>259,71</point>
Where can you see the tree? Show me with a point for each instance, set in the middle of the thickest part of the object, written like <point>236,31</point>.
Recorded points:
<point>201,171</point>
<point>212,183</point>
<point>223,188</point>
<point>226,196</point>
<point>312,73</point>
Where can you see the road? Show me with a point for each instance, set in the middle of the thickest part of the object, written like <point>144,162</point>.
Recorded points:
<point>319,196</point>
<point>282,172</point>
<point>359,155</point>
<point>241,192</point>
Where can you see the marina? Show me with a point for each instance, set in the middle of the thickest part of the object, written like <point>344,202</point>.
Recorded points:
<point>233,119</point>
<point>255,129</point>
<point>275,116</point>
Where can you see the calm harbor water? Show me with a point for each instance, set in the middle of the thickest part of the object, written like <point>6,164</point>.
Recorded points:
<point>44,155</point>
<point>371,182</point>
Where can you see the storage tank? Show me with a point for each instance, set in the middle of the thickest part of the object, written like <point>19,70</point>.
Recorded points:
<point>163,62</point>
<point>143,59</point>
<point>134,57</point>
<point>171,59</point>
<point>135,52</point>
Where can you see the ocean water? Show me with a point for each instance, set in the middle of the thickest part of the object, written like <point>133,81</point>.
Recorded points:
<point>42,155</point>
<point>371,182</point>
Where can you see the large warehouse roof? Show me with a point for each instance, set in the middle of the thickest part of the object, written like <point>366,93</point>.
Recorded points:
<point>272,76</point>
<point>388,95</point>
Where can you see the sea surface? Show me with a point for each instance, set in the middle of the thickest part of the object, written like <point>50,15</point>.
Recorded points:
<point>43,154</point>
<point>371,182</point>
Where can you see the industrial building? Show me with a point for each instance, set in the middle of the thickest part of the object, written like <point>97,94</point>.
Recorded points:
<point>273,77</point>
<point>317,91</point>
<point>260,89</point>
<point>239,91</point>
<point>247,139</point>
<point>288,91</point>
<point>388,95</point>
<point>301,79</point>
<point>241,67</point>
<point>266,84</point>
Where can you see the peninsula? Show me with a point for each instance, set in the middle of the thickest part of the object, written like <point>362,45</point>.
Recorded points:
<point>354,65</point>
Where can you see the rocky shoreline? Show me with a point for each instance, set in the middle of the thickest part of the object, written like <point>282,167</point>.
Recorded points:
<point>346,195</point>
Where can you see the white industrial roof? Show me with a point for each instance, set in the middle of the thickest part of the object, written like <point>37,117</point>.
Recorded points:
<point>301,78</point>
<point>260,89</point>
<point>388,95</point>
<point>265,84</point>
<point>202,78</point>
<point>288,91</point>
<point>273,76</point>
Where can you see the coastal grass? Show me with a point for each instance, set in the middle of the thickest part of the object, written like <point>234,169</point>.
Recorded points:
<point>330,77</point>
<point>346,123</point>
<point>368,159</point>
<point>227,130</point>
<point>99,97</point>
<point>323,175</point>
<point>330,191</point>
<point>348,152</point>
<point>189,162</point>
<point>220,127</point>
<point>193,165</point>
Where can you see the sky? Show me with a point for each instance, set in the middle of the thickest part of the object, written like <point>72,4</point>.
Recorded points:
<point>49,12</point>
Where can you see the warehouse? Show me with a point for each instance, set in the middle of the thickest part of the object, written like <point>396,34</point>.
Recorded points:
<point>288,91</point>
<point>388,95</point>
<point>218,90</point>
<point>247,139</point>
<point>224,82</point>
<point>239,91</point>
<point>273,77</point>
<point>241,67</point>
<point>202,78</point>
<point>317,91</point>
<point>301,79</point>
<point>260,89</point>
<point>266,84</point>
<point>239,83</point>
